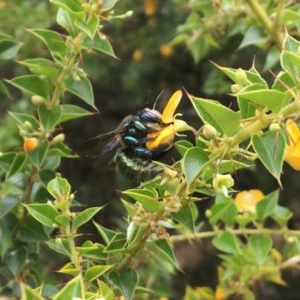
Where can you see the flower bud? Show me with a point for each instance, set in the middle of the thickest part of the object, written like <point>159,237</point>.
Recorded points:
<point>241,77</point>
<point>37,100</point>
<point>59,138</point>
<point>235,88</point>
<point>274,127</point>
<point>209,131</point>
<point>30,144</point>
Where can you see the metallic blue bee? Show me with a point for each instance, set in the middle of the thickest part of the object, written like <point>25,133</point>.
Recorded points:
<point>133,158</point>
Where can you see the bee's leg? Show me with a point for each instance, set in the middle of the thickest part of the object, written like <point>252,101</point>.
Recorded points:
<point>161,148</point>
<point>146,153</point>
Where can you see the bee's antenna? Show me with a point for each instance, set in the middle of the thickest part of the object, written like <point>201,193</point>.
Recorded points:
<point>155,102</point>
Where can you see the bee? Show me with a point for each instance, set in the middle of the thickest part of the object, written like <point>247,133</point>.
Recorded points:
<point>128,140</point>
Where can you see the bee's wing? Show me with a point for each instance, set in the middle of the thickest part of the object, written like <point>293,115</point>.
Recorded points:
<point>100,144</point>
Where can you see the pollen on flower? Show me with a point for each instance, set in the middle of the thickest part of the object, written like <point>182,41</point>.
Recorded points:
<point>292,151</point>
<point>246,201</point>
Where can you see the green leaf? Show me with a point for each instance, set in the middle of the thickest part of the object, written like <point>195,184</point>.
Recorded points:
<point>247,107</point>
<point>270,149</point>
<point>212,112</point>
<point>267,205</point>
<point>290,59</point>
<point>252,76</point>
<point>225,211</point>
<point>227,242</point>
<point>7,203</point>
<point>41,66</point>
<point>101,44</point>
<point>17,164</point>
<point>3,89</point>
<point>72,6</point>
<point>60,245</point>
<point>92,250</point>
<point>193,162</point>
<point>148,198</point>
<point>126,281</point>
<point>85,216</point>
<point>106,292</point>
<point>69,269</point>
<point>44,213</point>
<point>186,216</point>
<point>254,36</point>
<point>90,27</point>
<point>31,231</point>
<point>81,88</point>
<point>71,290</point>
<point>38,155</point>
<point>284,82</point>
<point>32,84</point>
<point>53,41</point>
<point>273,99</point>
<point>166,251</point>
<point>281,215</point>
<point>15,260</point>
<point>108,4</point>
<point>59,188</point>
<point>261,246</point>
<point>182,146</point>
<point>69,112</point>
<point>9,48</point>
<point>29,293</point>
<point>22,118</point>
<point>49,117</point>
<point>116,244</point>
<point>94,272</point>
<point>105,233</point>
<point>66,20</point>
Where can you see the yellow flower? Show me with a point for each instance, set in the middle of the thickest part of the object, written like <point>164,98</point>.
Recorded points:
<point>150,7</point>
<point>222,182</point>
<point>246,200</point>
<point>292,151</point>
<point>220,294</point>
<point>137,55</point>
<point>167,134</point>
<point>166,50</point>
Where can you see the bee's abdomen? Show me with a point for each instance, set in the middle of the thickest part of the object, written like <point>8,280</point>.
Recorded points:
<point>135,168</point>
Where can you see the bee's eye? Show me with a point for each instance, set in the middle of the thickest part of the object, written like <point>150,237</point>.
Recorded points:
<point>149,116</point>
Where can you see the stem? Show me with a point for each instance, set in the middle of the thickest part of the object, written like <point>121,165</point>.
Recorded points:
<point>244,231</point>
<point>139,243</point>
<point>271,28</point>
<point>76,258</point>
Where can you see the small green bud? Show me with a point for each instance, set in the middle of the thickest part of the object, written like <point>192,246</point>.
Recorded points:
<point>235,88</point>
<point>210,132</point>
<point>208,213</point>
<point>59,138</point>
<point>27,125</point>
<point>22,132</point>
<point>241,77</point>
<point>274,127</point>
<point>37,100</point>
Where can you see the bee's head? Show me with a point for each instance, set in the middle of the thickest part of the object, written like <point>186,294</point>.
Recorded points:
<point>150,118</point>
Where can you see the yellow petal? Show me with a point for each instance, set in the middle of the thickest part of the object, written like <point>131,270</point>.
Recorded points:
<point>166,135</point>
<point>292,151</point>
<point>293,132</point>
<point>168,113</point>
<point>246,200</point>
